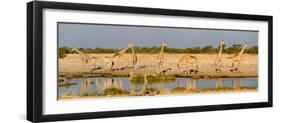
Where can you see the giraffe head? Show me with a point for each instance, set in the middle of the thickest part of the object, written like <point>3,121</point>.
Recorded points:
<point>164,44</point>
<point>245,44</point>
<point>73,50</point>
<point>130,44</point>
<point>222,42</point>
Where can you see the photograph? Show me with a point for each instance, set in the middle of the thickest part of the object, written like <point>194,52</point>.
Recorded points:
<point>90,60</point>
<point>98,60</point>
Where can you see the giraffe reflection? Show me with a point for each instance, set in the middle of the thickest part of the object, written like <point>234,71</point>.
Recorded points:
<point>109,83</point>
<point>191,85</point>
<point>85,87</point>
<point>122,86</point>
<point>218,83</point>
<point>236,83</point>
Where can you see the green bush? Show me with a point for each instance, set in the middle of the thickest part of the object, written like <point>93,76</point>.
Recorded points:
<point>152,79</point>
<point>113,91</point>
<point>178,90</point>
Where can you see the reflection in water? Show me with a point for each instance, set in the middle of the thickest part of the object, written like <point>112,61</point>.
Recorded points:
<point>218,83</point>
<point>236,83</point>
<point>84,87</point>
<point>102,86</point>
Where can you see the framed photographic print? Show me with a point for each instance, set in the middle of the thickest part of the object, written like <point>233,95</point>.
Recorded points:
<point>96,61</point>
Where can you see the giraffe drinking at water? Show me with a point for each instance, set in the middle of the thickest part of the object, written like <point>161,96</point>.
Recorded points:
<point>236,60</point>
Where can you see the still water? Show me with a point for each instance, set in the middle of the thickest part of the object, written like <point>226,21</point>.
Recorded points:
<point>99,84</point>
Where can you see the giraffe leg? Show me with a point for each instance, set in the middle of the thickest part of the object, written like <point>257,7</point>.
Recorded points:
<point>134,65</point>
<point>238,66</point>
<point>216,65</point>
<point>233,68</point>
<point>159,67</point>
<point>187,68</point>
<point>193,68</point>
<point>220,66</point>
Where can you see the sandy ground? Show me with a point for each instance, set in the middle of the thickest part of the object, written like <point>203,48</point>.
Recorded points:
<point>72,64</point>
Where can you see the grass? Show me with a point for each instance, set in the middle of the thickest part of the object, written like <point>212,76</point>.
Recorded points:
<point>69,94</point>
<point>66,84</point>
<point>90,94</point>
<point>114,91</point>
<point>203,77</point>
<point>151,79</point>
<point>76,75</point>
<point>216,89</point>
<point>178,90</point>
<point>208,89</point>
<point>248,87</point>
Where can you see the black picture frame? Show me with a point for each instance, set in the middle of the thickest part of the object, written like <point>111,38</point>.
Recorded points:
<point>35,69</point>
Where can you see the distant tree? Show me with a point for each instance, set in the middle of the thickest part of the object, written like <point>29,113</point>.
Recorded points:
<point>236,47</point>
<point>188,50</point>
<point>63,51</point>
<point>208,49</point>
<point>196,50</point>
<point>253,50</point>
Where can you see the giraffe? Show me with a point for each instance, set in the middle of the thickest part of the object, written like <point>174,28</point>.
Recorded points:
<point>237,58</point>
<point>160,57</point>
<point>134,57</point>
<point>85,58</point>
<point>121,52</point>
<point>104,61</point>
<point>188,61</point>
<point>218,61</point>
<point>118,56</point>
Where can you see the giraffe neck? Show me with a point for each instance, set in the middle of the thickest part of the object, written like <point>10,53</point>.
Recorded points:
<point>162,50</point>
<point>242,51</point>
<point>124,49</point>
<point>133,51</point>
<point>79,52</point>
<point>220,51</point>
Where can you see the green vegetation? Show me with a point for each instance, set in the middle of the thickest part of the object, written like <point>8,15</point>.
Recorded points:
<point>152,90</point>
<point>66,84</point>
<point>90,94</point>
<point>73,75</point>
<point>151,79</point>
<point>207,89</point>
<point>63,51</point>
<point>69,94</point>
<point>114,91</point>
<point>248,87</point>
<point>235,48</point>
<point>178,90</point>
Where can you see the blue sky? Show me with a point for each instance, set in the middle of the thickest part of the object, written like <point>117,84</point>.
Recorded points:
<point>116,36</point>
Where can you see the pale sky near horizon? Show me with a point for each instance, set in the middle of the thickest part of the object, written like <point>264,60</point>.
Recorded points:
<point>116,36</point>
